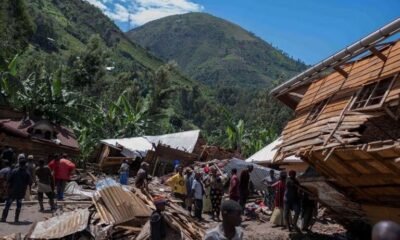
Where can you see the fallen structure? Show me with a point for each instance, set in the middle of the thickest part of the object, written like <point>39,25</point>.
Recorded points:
<point>34,135</point>
<point>157,150</point>
<point>118,212</point>
<point>346,126</point>
<point>266,155</point>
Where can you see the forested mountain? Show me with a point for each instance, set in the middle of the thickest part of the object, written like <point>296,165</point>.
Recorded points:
<point>215,51</point>
<point>97,62</point>
<point>239,67</point>
<point>67,61</point>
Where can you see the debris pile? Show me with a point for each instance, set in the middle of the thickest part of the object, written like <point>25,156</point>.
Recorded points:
<point>118,212</point>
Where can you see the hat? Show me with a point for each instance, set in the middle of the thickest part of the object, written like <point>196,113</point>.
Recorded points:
<point>159,200</point>
<point>30,157</point>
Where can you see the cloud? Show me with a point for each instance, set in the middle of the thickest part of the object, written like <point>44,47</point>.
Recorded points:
<point>139,12</point>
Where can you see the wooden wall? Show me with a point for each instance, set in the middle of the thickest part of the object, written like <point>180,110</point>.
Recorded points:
<point>357,149</point>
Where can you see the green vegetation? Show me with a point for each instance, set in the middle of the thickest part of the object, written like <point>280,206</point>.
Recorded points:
<point>75,67</point>
<point>239,67</point>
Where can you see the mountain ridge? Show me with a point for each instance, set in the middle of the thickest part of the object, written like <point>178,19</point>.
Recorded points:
<point>215,51</point>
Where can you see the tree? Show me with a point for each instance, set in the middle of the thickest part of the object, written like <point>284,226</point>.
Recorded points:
<point>89,67</point>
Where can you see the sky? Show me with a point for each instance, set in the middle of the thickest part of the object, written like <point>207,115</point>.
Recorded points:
<point>309,30</point>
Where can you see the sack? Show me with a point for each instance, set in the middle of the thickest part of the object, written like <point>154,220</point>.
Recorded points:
<point>277,217</point>
<point>27,194</point>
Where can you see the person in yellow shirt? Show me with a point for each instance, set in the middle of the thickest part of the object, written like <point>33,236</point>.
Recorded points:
<point>178,184</point>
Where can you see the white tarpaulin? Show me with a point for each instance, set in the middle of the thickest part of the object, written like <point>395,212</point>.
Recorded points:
<point>267,154</point>
<point>258,174</point>
<point>138,146</point>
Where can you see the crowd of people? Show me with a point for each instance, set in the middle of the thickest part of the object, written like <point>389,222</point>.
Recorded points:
<point>19,175</point>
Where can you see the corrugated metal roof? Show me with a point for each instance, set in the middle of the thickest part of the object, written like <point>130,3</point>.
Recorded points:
<point>61,226</point>
<point>116,204</point>
<point>184,141</point>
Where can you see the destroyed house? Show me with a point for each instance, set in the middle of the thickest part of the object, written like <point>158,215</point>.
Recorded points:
<point>347,127</point>
<point>161,151</point>
<point>36,136</point>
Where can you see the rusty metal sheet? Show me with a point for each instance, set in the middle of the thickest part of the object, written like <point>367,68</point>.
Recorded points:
<point>116,204</point>
<point>61,226</point>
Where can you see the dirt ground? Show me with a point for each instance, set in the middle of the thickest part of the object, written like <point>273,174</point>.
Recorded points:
<point>265,231</point>
<point>253,230</point>
<point>29,215</point>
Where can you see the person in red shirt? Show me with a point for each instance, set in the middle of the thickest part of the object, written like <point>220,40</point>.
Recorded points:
<point>62,170</point>
<point>234,186</point>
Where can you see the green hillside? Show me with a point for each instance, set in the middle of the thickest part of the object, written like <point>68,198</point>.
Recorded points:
<point>63,31</point>
<point>239,67</point>
<point>75,66</point>
<point>215,51</point>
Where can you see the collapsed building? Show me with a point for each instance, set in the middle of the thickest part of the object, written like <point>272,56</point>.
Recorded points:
<point>34,135</point>
<point>346,126</point>
<point>266,155</point>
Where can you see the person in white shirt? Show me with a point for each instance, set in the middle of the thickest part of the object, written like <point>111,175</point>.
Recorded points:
<point>197,194</point>
<point>229,229</point>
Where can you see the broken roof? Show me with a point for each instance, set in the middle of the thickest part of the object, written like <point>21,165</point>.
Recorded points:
<point>368,43</point>
<point>184,141</point>
<point>268,153</point>
<point>22,127</point>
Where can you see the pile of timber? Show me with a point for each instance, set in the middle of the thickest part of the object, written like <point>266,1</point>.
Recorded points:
<point>120,212</point>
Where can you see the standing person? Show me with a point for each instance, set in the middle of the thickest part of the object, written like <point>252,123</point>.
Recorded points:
<point>230,226</point>
<point>234,193</point>
<point>189,177</point>
<point>62,170</point>
<point>207,189</point>
<point>269,196</point>
<point>178,185</point>
<point>277,217</point>
<point>244,184</point>
<point>157,221</point>
<point>124,172</point>
<point>8,153</point>
<point>197,194</point>
<point>292,201</point>
<point>4,174</point>
<point>142,177</point>
<point>45,184</point>
<point>31,168</point>
<point>216,192</point>
<point>18,182</point>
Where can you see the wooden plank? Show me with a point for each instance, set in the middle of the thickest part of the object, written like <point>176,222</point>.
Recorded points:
<point>385,162</point>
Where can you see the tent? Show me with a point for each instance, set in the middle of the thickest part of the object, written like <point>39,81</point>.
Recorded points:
<point>266,155</point>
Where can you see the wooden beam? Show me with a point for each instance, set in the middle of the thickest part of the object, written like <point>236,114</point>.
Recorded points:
<point>296,95</point>
<point>390,113</point>
<point>346,165</point>
<point>341,71</point>
<point>385,162</point>
<point>377,53</point>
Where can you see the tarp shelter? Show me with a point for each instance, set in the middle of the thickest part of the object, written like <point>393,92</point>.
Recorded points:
<point>257,176</point>
<point>266,155</point>
<point>115,150</point>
